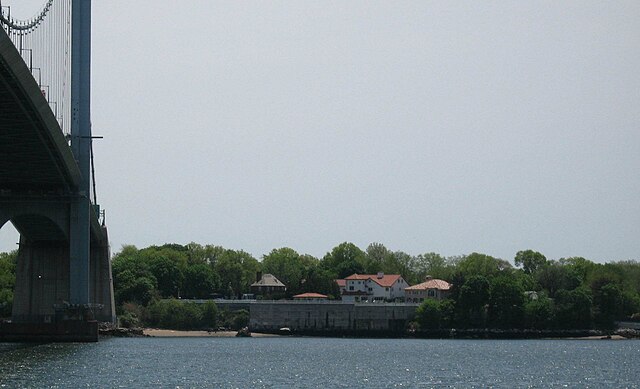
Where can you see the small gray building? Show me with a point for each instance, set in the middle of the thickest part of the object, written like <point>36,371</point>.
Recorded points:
<point>267,284</point>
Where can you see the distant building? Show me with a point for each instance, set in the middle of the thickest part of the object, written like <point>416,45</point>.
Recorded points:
<point>310,296</point>
<point>373,287</point>
<point>267,284</point>
<point>432,288</point>
<point>342,284</point>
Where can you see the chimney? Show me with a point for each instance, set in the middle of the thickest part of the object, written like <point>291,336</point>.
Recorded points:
<point>427,278</point>
<point>258,276</point>
<point>380,275</point>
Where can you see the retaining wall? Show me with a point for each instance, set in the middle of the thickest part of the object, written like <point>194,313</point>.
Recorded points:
<point>313,317</point>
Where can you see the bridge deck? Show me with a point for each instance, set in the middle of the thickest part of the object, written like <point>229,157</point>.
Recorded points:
<point>36,161</point>
<point>34,155</point>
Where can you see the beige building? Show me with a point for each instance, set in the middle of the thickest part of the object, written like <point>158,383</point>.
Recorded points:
<point>432,288</point>
<point>267,284</point>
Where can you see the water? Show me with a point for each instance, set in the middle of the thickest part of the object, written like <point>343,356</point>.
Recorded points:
<point>321,362</point>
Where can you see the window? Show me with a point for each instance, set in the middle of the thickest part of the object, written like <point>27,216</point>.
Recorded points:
<point>351,287</point>
<point>431,293</point>
<point>386,289</point>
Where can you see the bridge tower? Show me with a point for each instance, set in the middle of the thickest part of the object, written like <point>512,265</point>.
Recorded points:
<point>81,147</point>
<point>64,269</point>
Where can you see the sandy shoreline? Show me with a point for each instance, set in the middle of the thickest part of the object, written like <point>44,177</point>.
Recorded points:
<point>598,337</point>
<point>160,333</point>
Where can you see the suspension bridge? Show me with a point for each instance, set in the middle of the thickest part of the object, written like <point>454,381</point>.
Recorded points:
<point>47,180</point>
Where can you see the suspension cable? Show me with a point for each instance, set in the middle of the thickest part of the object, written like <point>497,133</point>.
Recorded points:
<point>26,25</point>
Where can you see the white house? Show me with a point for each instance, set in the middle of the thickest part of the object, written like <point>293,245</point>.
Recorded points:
<point>373,287</point>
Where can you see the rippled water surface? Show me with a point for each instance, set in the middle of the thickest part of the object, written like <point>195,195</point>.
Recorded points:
<point>320,362</point>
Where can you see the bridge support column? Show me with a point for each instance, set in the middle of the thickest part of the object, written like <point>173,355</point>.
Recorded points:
<point>81,146</point>
<point>42,280</point>
<point>101,281</point>
<point>79,251</point>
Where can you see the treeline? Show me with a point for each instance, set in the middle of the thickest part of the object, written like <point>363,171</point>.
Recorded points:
<point>570,293</point>
<point>488,292</point>
<point>194,271</point>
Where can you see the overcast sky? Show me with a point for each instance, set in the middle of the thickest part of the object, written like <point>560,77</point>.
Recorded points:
<point>427,126</point>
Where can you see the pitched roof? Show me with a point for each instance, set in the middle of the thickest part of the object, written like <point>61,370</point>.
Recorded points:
<point>433,283</point>
<point>268,280</point>
<point>384,280</point>
<point>310,295</point>
<point>341,282</point>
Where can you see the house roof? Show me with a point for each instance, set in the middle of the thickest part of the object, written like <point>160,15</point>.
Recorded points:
<point>433,283</point>
<point>384,280</point>
<point>341,283</point>
<point>268,280</point>
<point>310,295</point>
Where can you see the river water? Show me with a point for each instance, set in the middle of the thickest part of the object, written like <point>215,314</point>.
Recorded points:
<point>290,362</point>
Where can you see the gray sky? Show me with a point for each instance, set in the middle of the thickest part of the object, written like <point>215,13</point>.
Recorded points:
<point>427,126</point>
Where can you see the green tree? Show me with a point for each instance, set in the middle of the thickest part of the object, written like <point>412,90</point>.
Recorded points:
<point>435,314</point>
<point>288,266</point>
<point>8,263</point>
<point>400,263</point>
<point>175,314</point>
<point>582,268</point>
<point>131,288</point>
<point>344,260</point>
<point>607,303</point>
<point>132,277</point>
<point>530,260</point>
<point>207,254</point>
<point>167,272</point>
<point>554,276</point>
<point>432,264</point>
<point>375,256</point>
<point>209,315</point>
<point>538,313</point>
<point>321,280</point>
<point>506,303</point>
<point>573,308</point>
<point>237,271</point>
<point>473,298</point>
<point>200,281</point>
<point>482,264</point>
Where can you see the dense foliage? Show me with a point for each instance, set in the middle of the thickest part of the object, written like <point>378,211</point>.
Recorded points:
<point>7,281</point>
<point>152,285</point>
<point>570,293</point>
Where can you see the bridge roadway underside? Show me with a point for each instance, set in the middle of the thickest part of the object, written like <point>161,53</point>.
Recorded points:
<point>39,195</point>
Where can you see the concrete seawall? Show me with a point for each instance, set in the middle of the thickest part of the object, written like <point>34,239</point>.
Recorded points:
<point>330,317</point>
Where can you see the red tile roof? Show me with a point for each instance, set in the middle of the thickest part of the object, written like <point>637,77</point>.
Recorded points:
<point>310,296</point>
<point>386,280</point>
<point>341,283</point>
<point>431,284</point>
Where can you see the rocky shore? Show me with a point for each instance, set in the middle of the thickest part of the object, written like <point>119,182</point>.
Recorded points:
<point>107,329</point>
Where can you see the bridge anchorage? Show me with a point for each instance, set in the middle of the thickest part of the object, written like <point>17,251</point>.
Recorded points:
<point>63,277</point>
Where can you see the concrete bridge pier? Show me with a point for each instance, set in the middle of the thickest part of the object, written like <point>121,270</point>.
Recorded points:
<point>43,281</point>
<point>101,280</point>
<point>44,274</point>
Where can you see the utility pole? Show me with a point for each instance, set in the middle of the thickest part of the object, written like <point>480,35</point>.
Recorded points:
<point>79,242</point>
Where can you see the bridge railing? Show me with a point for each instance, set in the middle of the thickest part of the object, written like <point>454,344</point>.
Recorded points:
<point>44,42</point>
